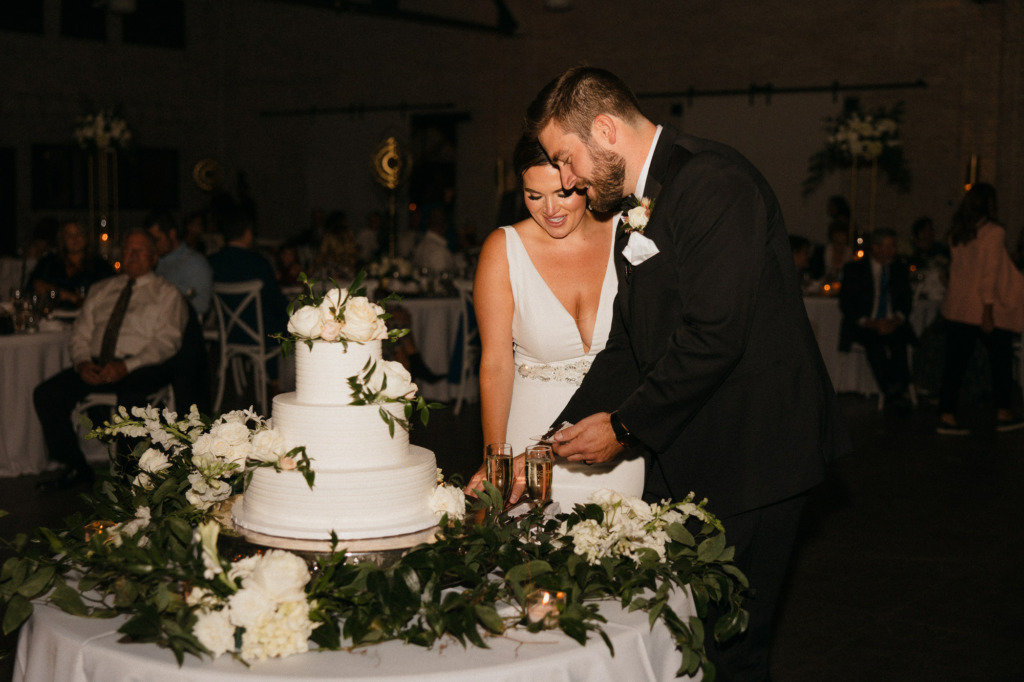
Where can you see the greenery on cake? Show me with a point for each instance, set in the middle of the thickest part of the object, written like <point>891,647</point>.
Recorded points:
<point>160,561</point>
<point>385,381</point>
<point>338,315</point>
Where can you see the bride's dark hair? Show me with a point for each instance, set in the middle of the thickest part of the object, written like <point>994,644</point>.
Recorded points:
<point>528,153</point>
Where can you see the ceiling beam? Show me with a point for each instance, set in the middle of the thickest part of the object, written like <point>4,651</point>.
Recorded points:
<point>505,24</point>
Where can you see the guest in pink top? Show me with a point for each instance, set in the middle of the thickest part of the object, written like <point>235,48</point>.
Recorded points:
<point>985,300</point>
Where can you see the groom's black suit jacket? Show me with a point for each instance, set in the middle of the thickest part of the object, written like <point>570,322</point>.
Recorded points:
<point>711,361</point>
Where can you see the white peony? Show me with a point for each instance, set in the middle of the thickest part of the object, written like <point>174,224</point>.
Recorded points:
<point>448,499</point>
<point>279,576</point>
<point>399,381</point>
<point>268,446</point>
<point>214,631</point>
<point>286,632</point>
<point>249,607</point>
<point>305,322</point>
<point>362,321</point>
<point>153,461</point>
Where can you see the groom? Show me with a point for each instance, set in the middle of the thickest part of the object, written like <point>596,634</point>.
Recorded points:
<point>711,367</point>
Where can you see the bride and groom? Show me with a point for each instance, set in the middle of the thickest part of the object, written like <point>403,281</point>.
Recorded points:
<point>677,347</point>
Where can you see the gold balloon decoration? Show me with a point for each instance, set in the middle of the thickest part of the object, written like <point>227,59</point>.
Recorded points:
<point>388,163</point>
<point>208,175</point>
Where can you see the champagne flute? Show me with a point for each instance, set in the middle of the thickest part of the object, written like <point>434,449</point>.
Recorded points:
<point>498,465</point>
<point>539,464</point>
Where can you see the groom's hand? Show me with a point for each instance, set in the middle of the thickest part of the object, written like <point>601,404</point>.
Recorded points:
<point>590,440</point>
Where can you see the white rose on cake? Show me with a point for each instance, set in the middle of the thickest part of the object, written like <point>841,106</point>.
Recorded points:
<point>268,446</point>
<point>331,304</point>
<point>306,322</point>
<point>331,330</point>
<point>362,321</point>
<point>399,381</point>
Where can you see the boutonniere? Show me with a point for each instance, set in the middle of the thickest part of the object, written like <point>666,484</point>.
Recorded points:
<point>635,216</point>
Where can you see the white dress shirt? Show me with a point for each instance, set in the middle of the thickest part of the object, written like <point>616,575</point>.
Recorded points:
<point>641,182</point>
<point>152,327</point>
<point>432,253</point>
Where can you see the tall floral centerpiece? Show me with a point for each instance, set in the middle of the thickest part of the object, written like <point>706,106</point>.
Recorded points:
<point>102,135</point>
<point>862,140</point>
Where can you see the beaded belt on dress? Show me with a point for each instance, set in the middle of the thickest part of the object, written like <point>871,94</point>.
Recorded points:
<point>569,372</point>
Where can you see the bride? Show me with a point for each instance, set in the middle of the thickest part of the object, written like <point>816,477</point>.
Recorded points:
<point>543,296</point>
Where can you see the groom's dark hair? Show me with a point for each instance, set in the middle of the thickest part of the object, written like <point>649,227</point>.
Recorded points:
<point>575,99</point>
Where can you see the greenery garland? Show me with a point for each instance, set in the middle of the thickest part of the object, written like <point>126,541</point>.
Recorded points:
<point>148,554</point>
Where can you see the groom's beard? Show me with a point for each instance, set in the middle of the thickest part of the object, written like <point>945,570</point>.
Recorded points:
<point>609,178</point>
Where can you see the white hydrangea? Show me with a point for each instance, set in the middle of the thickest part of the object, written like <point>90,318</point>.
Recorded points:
<point>249,607</point>
<point>286,631</point>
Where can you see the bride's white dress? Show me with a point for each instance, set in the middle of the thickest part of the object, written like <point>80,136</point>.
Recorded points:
<point>551,362</point>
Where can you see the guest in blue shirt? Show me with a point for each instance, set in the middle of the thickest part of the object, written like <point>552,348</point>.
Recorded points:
<point>238,262</point>
<point>180,265</point>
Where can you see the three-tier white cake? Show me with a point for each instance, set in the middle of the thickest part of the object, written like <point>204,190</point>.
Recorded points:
<point>369,483</point>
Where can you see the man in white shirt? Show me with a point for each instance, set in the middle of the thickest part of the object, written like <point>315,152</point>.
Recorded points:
<point>129,327</point>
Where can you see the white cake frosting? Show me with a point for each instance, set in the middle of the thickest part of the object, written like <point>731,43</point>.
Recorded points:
<point>369,484</point>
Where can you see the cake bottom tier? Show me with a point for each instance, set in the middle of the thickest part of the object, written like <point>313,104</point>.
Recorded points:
<point>370,503</point>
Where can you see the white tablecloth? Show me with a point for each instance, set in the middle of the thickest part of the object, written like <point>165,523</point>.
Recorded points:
<point>25,361</point>
<point>56,646</point>
<point>435,328</point>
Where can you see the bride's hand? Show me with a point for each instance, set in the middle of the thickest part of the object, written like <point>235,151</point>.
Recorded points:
<point>518,479</point>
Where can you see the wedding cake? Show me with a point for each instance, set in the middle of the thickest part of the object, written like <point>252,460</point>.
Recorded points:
<point>370,482</point>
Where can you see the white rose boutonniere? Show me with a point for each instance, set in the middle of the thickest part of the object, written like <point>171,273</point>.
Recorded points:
<point>634,221</point>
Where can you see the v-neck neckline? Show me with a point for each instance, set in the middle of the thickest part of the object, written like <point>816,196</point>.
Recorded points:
<point>600,303</point>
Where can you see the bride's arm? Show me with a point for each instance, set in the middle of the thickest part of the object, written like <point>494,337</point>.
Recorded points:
<point>492,301</point>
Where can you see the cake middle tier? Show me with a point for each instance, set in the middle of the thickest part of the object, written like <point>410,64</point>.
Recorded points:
<point>342,437</point>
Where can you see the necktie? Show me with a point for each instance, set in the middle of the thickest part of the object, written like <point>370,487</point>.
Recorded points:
<point>883,294</point>
<point>114,325</point>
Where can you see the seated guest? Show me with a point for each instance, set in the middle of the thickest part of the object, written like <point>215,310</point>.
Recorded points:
<point>827,261</point>
<point>369,237</point>
<point>179,264</point>
<point>196,232</point>
<point>129,327</point>
<point>337,253</point>
<point>71,270</point>
<point>875,302</point>
<point>288,266</point>
<point>432,252</point>
<point>238,262</point>
<point>926,247</point>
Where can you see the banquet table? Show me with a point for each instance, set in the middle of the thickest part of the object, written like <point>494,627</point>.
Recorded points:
<point>57,646</point>
<point>435,329</point>
<point>25,361</point>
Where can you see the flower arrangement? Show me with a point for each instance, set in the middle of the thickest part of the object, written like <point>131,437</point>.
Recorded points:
<point>387,381</point>
<point>391,267</point>
<point>859,138</point>
<point>102,130</point>
<point>340,315</point>
<point>170,578</point>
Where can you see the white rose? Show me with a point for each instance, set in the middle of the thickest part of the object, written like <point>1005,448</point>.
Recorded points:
<point>214,631</point>
<point>235,433</point>
<point>331,330</point>
<point>153,461</point>
<point>279,576</point>
<point>399,381</point>
<point>448,499</point>
<point>249,607</point>
<point>143,481</point>
<point>331,304</point>
<point>362,321</point>
<point>638,217</point>
<point>268,446</point>
<point>305,323</point>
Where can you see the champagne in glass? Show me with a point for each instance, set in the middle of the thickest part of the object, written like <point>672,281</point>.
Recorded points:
<point>539,464</point>
<point>498,463</point>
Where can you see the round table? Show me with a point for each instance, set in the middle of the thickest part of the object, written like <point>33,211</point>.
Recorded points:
<point>26,359</point>
<point>57,646</point>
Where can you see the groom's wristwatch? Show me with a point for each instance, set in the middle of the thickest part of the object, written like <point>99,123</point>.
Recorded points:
<point>622,434</point>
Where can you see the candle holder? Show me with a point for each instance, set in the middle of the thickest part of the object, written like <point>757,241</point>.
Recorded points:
<point>94,528</point>
<point>544,607</point>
